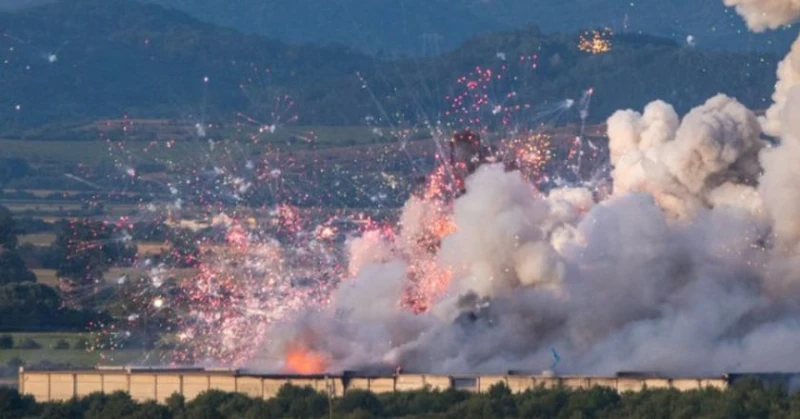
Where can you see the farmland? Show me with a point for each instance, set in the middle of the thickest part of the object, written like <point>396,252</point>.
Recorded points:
<point>31,348</point>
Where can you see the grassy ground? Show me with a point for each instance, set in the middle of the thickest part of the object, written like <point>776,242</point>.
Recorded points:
<point>56,208</point>
<point>144,249</point>
<point>38,239</point>
<point>49,277</point>
<point>114,274</point>
<point>179,151</point>
<point>79,358</point>
<point>43,206</point>
<point>43,193</point>
<point>48,339</point>
<point>46,276</point>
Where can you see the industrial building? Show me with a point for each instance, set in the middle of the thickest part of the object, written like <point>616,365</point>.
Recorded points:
<point>160,383</point>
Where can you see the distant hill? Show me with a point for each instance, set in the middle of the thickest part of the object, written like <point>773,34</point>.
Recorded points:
<point>407,26</point>
<point>83,60</point>
<point>20,4</point>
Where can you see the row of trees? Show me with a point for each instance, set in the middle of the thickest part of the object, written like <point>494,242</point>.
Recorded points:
<point>81,253</point>
<point>747,399</point>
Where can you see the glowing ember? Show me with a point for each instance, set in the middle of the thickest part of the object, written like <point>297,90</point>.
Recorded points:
<point>303,360</point>
<point>596,42</point>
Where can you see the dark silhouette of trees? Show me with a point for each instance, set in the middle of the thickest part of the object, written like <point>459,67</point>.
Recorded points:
<point>13,269</point>
<point>746,399</point>
<point>85,249</point>
<point>8,229</point>
<point>25,304</point>
<point>13,405</point>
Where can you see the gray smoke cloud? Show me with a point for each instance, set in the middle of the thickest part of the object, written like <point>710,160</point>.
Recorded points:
<point>683,163</point>
<point>761,15</point>
<point>787,85</point>
<point>688,267</point>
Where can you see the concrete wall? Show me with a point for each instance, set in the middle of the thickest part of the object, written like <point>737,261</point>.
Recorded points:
<point>160,385</point>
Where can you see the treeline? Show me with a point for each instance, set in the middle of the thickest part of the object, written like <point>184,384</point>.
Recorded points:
<point>84,297</point>
<point>81,255</point>
<point>124,58</point>
<point>747,399</point>
<point>28,305</point>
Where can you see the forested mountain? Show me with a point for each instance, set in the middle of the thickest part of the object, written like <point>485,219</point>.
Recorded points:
<point>412,26</point>
<point>83,60</point>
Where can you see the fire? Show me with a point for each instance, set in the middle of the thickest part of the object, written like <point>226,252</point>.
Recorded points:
<point>303,360</point>
<point>596,42</point>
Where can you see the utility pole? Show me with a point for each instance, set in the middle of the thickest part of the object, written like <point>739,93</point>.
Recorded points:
<point>431,44</point>
<point>329,387</point>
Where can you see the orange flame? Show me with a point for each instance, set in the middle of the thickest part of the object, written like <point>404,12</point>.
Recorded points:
<point>303,360</point>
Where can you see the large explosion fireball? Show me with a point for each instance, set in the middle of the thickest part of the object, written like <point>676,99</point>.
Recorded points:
<point>686,261</point>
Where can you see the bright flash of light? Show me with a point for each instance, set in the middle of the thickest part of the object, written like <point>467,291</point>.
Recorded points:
<point>596,42</point>
<point>303,360</point>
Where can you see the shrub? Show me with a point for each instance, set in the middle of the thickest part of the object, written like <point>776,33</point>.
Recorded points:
<point>81,344</point>
<point>6,342</point>
<point>29,343</point>
<point>15,362</point>
<point>61,344</point>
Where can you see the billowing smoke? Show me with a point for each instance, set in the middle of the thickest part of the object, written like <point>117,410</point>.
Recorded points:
<point>766,14</point>
<point>683,164</point>
<point>780,184</point>
<point>689,266</point>
<point>771,14</point>
<point>787,86</point>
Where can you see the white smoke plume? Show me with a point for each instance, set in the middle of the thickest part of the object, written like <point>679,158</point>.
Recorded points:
<point>771,14</point>
<point>787,85</point>
<point>681,163</point>
<point>501,240</point>
<point>627,288</point>
<point>690,266</point>
<point>780,184</point>
<point>761,15</point>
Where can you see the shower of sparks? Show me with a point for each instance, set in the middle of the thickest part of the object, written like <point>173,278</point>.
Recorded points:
<point>596,42</point>
<point>270,226</point>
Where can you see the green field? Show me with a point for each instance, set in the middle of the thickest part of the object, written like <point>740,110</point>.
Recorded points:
<point>38,239</point>
<point>46,276</point>
<point>59,210</point>
<point>79,358</point>
<point>93,152</point>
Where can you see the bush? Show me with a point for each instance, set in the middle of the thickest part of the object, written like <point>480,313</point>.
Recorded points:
<point>359,403</point>
<point>14,405</point>
<point>15,362</point>
<point>29,343</point>
<point>81,344</point>
<point>61,344</point>
<point>6,342</point>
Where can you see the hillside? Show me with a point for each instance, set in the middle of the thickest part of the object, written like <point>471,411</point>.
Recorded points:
<point>399,26</point>
<point>83,60</point>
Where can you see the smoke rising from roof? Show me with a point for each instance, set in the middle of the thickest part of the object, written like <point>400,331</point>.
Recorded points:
<point>689,266</point>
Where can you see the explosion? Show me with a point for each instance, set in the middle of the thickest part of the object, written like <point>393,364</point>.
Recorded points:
<point>596,42</point>
<point>302,360</point>
<point>687,264</point>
